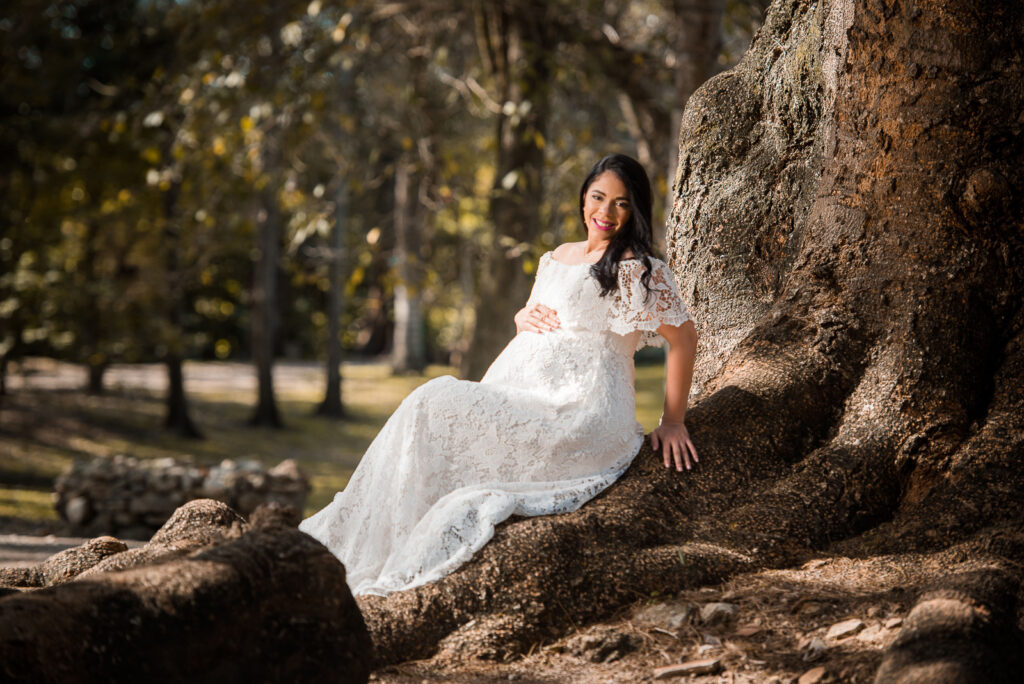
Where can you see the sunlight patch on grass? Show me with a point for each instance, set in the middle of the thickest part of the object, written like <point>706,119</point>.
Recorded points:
<point>66,425</point>
<point>30,504</point>
<point>21,457</point>
<point>324,488</point>
<point>650,394</point>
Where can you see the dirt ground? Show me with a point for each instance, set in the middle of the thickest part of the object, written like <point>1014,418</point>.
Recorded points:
<point>779,631</point>
<point>774,628</point>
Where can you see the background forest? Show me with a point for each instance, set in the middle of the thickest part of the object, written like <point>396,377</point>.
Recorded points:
<point>194,189</point>
<point>205,180</point>
<point>208,181</point>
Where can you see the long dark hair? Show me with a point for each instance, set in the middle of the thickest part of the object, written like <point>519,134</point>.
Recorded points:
<point>636,235</point>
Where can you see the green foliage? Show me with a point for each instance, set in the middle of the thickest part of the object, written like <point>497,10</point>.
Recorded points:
<point>139,143</point>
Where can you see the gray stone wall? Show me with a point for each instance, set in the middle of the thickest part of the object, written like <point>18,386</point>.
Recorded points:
<point>132,498</point>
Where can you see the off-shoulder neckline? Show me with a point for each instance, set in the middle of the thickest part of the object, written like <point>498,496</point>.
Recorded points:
<point>549,254</point>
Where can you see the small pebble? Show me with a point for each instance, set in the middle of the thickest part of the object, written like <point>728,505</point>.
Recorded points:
<point>844,629</point>
<point>812,676</point>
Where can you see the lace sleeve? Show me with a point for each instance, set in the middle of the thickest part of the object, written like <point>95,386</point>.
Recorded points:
<point>634,309</point>
<point>541,264</point>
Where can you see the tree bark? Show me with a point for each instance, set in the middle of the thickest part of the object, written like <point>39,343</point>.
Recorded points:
<point>94,385</point>
<point>264,320</point>
<point>332,406</point>
<point>846,231</point>
<point>409,351</point>
<point>212,601</point>
<point>178,419</point>
<point>698,41</point>
<point>517,39</point>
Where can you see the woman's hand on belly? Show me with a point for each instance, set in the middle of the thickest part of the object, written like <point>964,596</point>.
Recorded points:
<point>537,318</point>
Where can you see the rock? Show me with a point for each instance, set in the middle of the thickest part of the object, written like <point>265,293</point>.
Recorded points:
<point>871,633</point>
<point>78,510</point>
<point>813,650</point>
<point>844,629</point>
<point>287,469</point>
<point>692,667</point>
<point>269,606</point>
<point>602,646</point>
<point>893,623</point>
<point>717,613</point>
<point>812,676</point>
<point>275,513</point>
<point>670,616</point>
<point>107,496</point>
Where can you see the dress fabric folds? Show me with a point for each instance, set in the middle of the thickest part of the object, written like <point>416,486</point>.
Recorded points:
<point>551,424</point>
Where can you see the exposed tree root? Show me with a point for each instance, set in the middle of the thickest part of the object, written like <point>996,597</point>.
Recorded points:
<point>963,628</point>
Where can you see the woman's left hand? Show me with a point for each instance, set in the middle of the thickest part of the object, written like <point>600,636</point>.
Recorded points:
<point>674,441</point>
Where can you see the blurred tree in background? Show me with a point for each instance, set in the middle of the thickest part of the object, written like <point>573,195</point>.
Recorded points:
<point>211,179</point>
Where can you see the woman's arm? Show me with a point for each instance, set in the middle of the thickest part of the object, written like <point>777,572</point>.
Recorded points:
<point>671,435</point>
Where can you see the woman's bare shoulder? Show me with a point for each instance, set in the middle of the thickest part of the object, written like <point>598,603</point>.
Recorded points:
<point>565,250</point>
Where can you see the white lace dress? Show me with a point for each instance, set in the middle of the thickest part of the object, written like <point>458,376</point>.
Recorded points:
<point>551,424</point>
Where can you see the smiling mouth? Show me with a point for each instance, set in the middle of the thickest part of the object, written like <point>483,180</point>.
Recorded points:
<point>602,225</point>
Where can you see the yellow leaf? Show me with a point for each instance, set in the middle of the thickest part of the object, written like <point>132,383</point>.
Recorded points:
<point>538,140</point>
<point>247,124</point>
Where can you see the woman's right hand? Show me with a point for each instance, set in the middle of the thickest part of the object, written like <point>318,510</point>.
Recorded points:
<point>537,318</point>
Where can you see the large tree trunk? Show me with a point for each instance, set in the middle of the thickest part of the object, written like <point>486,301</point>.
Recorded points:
<point>846,231</point>
<point>518,53</point>
<point>409,350</point>
<point>264,320</point>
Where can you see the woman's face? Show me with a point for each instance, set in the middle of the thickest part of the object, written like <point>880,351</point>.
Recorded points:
<point>606,207</point>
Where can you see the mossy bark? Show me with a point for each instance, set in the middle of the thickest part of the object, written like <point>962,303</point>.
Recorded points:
<point>847,230</point>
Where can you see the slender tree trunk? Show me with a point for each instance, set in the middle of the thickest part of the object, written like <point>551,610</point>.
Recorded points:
<point>408,353</point>
<point>521,70</point>
<point>264,320</point>
<point>332,406</point>
<point>178,419</point>
<point>96,373</point>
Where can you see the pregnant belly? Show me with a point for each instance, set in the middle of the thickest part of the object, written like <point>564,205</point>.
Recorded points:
<point>568,366</point>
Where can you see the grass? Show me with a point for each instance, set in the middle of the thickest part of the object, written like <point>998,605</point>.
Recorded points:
<point>43,430</point>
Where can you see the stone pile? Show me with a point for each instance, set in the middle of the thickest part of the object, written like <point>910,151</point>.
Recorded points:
<point>132,497</point>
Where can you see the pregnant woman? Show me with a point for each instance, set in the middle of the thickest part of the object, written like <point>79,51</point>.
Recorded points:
<point>551,424</point>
